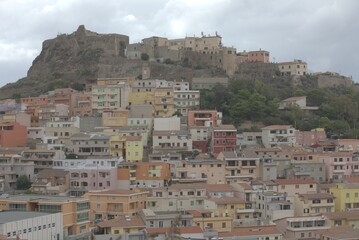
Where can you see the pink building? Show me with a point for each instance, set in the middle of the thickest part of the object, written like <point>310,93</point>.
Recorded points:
<point>258,56</point>
<point>339,164</point>
<point>13,134</point>
<point>81,104</point>
<point>224,139</point>
<point>351,145</point>
<point>204,118</point>
<point>92,178</point>
<point>309,138</point>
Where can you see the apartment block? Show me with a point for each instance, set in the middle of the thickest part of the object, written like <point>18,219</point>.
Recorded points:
<point>338,165</point>
<point>346,195</point>
<point>110,204</point>
<point>143,174</point>
<point>86,145</point>
<point>163,102</point>
<point>185,100</point>
<point>166,141</point>
<point>51,182</point>
<point>134,149</point>
<point>74,211</point>
<point>224,138</point>
<point>276,135</point>
<point>291,187</point>
<point>203,118</point>
<point>200,171</point>
<point>274,206</point>
<point>313,203</point>
<point>239,168</point>
<point>81,104</point>
<point>13,134</point>
<point>177,197</point>
<point>42,158</point>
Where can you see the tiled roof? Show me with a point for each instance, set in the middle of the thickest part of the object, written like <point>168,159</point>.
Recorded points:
<point>251,231</point>
<point>131,222</point>
<point>225,127</point>
<point>351,180</point>
<point>296,181</point>
<point>312,196</point>
<point>350,215</point>
<point>183,230</point>
<point>116,192</point>
<point>49,173</point>
<point>133,138</point>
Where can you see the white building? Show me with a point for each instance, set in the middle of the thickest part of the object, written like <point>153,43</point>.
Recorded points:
<point>186,100</point>
<point>31,225</point>
<point>171,141</point>
<point>275,135</point>
<point>167,124</point>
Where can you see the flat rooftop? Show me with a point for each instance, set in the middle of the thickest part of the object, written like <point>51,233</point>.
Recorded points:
<point>12,216</point>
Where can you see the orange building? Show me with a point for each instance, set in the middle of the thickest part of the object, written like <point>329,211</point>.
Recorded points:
<point>13,135</point>
<point>143,174</point>
<point>109,204</point>
<point>34,101</point>
<point>81,104</point>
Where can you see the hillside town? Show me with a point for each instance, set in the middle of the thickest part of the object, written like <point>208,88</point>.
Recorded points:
<point>137,158</point>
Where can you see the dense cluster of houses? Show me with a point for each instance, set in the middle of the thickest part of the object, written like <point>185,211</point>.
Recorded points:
<point>139,159</point>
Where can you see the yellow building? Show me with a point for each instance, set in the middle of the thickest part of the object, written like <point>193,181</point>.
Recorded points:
<point>346,196</point>
<point>122,225</point>
<point>75,211</point>
<point>134,149</point>
<point>114,118</point>
<point>109,204</point>
<point>163,102</point>
<point>211,220</point>
<point>117,146</point>
<point>140,98</point>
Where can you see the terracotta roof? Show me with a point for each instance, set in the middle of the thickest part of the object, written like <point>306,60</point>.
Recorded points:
<point>117,192</point>
<point>49,173</point>
<point>198,213</point>
<point>218,187</point>
<point>252,231</point>
<point>133,221</point>
<point>312,196</point>
<point>229,154</point>
<point>133,138</point>
<point>296,181</point>
<point>343,233</point>
<point>277,127</point>
<point>350,215</point>
<point>183,230</point>
<point>245,186</point>
<point>351,180</point>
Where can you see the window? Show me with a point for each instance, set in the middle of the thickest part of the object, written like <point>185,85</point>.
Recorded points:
<point>170,203</point>
<point>224,225</point>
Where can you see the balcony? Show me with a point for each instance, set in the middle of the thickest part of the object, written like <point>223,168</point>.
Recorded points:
<point>339,163</point>
<point>249,166</point>
<point>339,171</point>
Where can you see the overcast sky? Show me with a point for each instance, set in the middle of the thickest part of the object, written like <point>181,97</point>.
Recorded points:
<point>324,33</point>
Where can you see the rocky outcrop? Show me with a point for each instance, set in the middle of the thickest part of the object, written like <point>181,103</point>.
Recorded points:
<point>83,55</point>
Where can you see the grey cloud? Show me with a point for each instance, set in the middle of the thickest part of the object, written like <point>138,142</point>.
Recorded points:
<point>322,32</point>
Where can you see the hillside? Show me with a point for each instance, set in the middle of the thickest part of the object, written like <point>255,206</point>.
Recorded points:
<point>73,58</point>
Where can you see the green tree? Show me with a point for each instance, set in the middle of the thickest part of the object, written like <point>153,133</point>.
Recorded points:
<point>145,57</point>
<point>23,183</point>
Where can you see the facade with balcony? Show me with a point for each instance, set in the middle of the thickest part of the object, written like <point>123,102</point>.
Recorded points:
<point>185,100</point>
<point>276,135</point>
<point>239,168</point>
<point>338,165</point>
<point>143,174</point>
<point>224,138</point>
<point>169,141</point>
<point>200,171</point>
<point>273,206</point>
<point>109,204</point>
<point>88,145</point>
<point>177,197</point>
<point>314,203</point>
